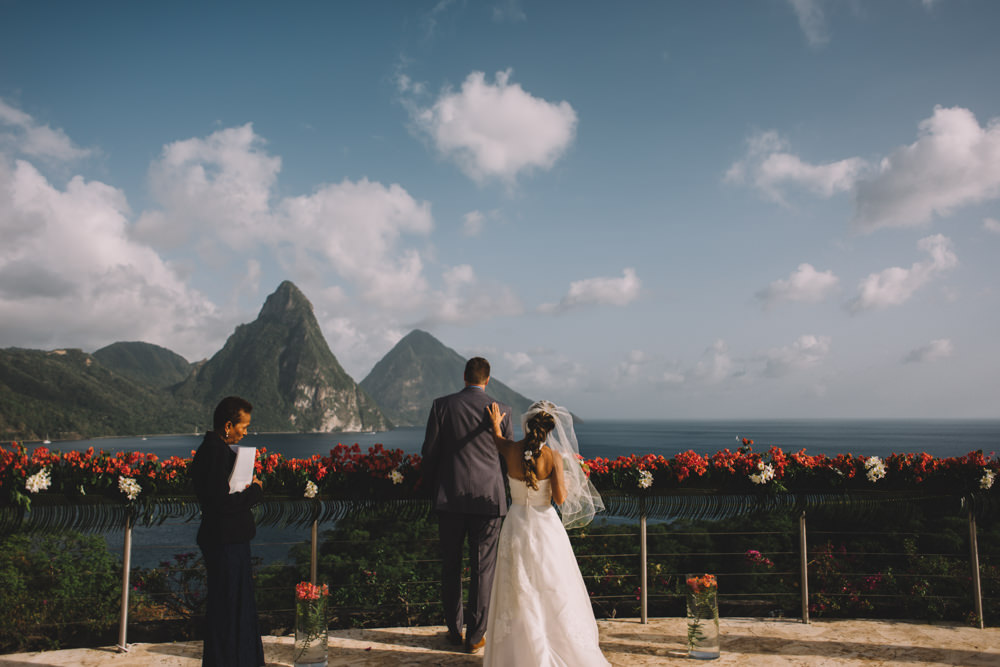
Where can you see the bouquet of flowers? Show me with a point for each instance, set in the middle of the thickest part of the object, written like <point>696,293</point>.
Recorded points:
<point>310,622</point>
<point>702,606</point>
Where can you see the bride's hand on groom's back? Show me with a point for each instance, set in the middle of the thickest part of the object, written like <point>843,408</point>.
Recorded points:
<point>493,410</point>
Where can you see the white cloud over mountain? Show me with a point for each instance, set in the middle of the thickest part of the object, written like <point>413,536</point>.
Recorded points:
<point>71,275</point>
<point>896,285</point>
<point>495,130</point>
<point>598,291</point>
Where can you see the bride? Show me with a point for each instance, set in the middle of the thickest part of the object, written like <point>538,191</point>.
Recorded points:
<point>540,612</point>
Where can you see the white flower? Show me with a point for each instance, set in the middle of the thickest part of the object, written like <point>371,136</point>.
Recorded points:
<point>129,487</point>
<point>38,482</point>
<point>528,455</point>
<point>765,475</point>
<point>645,479</point>
<point>396,477</point>
<point>875,469</point>
<point>311,489</point>
<point>82,490</point>
<point>987,481</point>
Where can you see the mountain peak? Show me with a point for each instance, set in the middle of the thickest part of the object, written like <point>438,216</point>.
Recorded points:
<point>284,300</point>
<point>418,369</point>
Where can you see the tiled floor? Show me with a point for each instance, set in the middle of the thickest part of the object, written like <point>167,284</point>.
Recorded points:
<point>625,642</point>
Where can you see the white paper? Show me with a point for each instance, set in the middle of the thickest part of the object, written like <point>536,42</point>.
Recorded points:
<point>242,473</point>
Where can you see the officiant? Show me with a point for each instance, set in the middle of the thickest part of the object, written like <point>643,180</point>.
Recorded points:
<point>232,634</point>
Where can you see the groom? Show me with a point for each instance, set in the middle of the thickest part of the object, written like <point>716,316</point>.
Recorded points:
<point>461,463</point>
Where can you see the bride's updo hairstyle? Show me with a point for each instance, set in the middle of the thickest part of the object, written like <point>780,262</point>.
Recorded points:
<point>537,429</point>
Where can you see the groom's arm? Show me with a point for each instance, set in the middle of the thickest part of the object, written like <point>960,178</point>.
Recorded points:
<point>430,452</point>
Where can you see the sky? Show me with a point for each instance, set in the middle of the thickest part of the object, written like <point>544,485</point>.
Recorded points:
<point>638,210</point>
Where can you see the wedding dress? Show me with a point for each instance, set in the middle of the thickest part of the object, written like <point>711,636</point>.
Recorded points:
<point>540,611</point>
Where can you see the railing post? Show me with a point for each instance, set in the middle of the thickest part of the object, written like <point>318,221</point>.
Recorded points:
<point>126,566</point>
<point>313,559</point>
<point>804,562</point>
<point>643,587</point>
<point>977,591</point>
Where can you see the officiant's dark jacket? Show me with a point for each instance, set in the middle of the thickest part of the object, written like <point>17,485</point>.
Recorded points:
<point>460,458</point>
<point>225,517</point>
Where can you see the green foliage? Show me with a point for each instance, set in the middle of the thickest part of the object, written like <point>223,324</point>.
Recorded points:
<point>56,590</point>
<point>175,589</point>
<point>145,363</point>
<point>67,393</point>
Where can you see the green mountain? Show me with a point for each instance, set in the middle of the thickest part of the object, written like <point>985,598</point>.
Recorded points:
<point>145,363</point>
<point>65,394</point>
<point>419,369</point>
<point>281,363</point>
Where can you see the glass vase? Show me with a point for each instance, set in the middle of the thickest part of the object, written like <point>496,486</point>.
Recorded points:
<point>702,616</point>
<point>310,632</point>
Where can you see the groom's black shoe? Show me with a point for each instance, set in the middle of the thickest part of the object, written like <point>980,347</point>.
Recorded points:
<point>454,639</point>
<point>475,648</point>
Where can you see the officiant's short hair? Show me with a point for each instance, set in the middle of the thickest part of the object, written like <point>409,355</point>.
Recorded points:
<point>477,370</point>
<point>228,410</point>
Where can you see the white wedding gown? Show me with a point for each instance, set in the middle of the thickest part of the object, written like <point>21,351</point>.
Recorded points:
<point>540,611</point>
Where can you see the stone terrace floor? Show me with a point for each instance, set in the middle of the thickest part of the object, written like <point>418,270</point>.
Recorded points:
<point>745,641</point>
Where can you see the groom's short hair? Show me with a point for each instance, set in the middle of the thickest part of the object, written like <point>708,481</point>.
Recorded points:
<point>477,370</point>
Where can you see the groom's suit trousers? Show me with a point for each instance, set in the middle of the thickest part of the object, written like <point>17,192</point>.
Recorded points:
<point>483,533</point>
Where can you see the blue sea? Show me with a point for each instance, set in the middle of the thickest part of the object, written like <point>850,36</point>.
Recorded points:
<point>607,438</point>
<point>613,438</point>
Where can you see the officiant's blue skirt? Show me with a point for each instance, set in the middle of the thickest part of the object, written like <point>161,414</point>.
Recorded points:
<point>232,633</point>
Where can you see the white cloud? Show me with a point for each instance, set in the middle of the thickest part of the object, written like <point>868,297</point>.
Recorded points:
<point>630,369</point>
<point>954,162</point>
<point>991,225</point>
<point>805,284</point>
<point>496,130</point>
<point>354,229</point>
<point>464,300</point>
<point>598,291</point>
<point>541,378</point>
<point>807,351</point>
<point>715,365</point>
<point>811,20</point>
<point>472,224</point>
<point>35,140</point>
<point>221,183</point>
<point>508,11</point>
<point>75,278</point>
<point>895,285</point>
<point>769,168</point>
<point>933,351</point>
<point>220,189</point>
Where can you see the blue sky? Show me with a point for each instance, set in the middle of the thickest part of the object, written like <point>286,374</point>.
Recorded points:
<point>781,208</point>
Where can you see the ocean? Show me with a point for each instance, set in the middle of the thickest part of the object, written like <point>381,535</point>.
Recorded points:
<point>607,438</point>
<point>613,438</point>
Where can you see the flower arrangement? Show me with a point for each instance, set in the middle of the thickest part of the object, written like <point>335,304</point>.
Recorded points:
<point>349,473</point>
<point>702,606</point>
<point>310,622</point>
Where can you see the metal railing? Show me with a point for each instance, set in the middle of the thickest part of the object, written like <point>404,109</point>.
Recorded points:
<point>639,550</point>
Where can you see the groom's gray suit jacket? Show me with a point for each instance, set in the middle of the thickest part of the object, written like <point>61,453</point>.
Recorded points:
<point>460,458</point>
